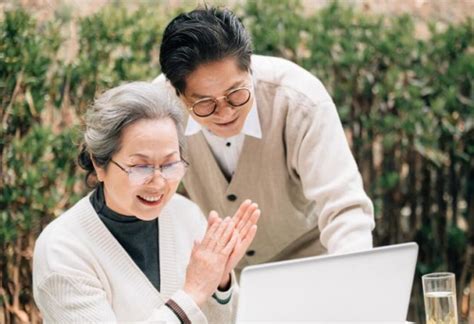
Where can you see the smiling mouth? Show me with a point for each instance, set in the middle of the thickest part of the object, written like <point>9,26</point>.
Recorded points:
<point>151,200</point>
<point>228,123</point>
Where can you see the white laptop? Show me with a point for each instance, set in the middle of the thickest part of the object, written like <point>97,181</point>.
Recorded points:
<point>367,286</point>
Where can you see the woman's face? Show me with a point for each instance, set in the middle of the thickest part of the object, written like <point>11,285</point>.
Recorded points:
<point>147,142</point>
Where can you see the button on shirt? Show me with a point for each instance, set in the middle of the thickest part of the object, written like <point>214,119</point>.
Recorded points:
<point>227,150</point>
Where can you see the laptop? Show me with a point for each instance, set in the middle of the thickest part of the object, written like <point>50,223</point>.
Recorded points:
<point>372,285</point>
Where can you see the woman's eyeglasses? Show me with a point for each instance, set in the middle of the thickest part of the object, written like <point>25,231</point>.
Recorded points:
<point>140,174</point>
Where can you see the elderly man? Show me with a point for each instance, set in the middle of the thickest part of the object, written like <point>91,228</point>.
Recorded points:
<point>263,128</point>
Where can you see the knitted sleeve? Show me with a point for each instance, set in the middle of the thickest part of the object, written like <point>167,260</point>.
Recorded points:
<point>67,299</point>
<point>218,312</point>
<point>322,158</point>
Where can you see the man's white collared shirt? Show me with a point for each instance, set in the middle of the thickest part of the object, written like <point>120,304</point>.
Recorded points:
<point>227,150</point>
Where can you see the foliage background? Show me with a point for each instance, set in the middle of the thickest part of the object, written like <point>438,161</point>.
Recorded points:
<point>407,105</point>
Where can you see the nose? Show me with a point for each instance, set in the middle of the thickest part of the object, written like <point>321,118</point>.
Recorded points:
<point>158,178</point>
<point>223,107</point>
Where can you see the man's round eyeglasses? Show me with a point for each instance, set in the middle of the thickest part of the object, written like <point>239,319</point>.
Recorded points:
<point>207,106</point>
<point>140,174</point>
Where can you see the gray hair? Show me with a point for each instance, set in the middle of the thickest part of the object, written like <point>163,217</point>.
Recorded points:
<point>118,108</point>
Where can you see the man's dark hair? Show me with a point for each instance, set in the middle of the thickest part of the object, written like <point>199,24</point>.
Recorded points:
<point>202,36</point>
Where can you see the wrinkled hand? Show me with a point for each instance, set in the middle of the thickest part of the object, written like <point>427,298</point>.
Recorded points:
<point>245,220</point>
<point>209,258</point>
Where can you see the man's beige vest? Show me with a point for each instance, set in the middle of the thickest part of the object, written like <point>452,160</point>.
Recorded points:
<point>265,173</point>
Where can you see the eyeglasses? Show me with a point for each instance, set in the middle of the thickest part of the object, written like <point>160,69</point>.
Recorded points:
<point>207,106</point>
<point>140,174</point>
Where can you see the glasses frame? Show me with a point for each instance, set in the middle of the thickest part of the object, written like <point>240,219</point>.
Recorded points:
<point>128,170</point>
<point>216,99</point>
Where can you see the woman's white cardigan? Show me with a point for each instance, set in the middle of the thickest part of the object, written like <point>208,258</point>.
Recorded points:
<point>82,274</point>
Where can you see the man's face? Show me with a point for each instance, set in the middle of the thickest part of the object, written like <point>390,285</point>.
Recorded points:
<point>214,80</point>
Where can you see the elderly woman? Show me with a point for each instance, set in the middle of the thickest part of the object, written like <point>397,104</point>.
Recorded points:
<point>133,249</point>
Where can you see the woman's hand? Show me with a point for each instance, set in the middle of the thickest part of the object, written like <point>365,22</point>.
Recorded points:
<point>245,220</point>
<point>209,257</point>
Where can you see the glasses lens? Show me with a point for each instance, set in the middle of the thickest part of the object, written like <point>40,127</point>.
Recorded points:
<point>173,171</point>
<point>139,174</point>
<point>238,97</point>
<point>204,107</point>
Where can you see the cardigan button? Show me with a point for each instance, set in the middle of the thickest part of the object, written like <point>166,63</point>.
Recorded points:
<point>232,197</point>
<point>250,253</point>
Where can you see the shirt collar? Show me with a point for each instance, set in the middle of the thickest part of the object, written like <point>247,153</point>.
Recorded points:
<point>251,126</point>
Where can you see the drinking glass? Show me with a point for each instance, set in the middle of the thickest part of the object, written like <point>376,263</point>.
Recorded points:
<point>439,290</point>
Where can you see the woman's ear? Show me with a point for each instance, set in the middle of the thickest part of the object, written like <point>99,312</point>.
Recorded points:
<point>98,170</point>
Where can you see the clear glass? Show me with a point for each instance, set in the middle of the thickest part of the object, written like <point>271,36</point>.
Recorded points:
<point>439,291</point>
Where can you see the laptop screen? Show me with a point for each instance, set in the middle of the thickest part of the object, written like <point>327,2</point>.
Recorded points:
<point>372,285</point>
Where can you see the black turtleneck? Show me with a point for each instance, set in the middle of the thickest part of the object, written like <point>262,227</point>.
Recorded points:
<point>139,238</point>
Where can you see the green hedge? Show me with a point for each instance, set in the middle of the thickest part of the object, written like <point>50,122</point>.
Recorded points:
<point>407,106</point>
